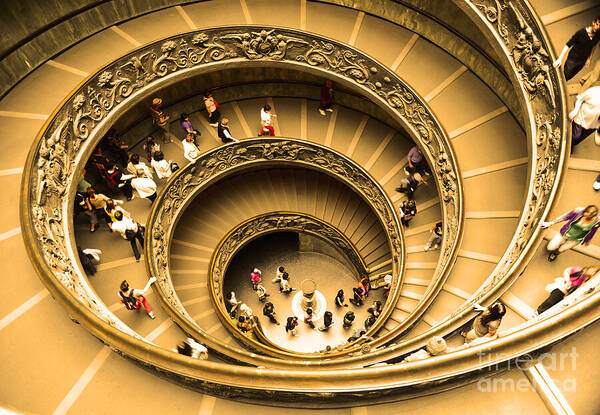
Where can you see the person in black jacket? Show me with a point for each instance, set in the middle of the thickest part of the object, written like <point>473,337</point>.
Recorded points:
<point>580,48</point>
<point>269,311</point>
<point>327,321</point>
<point>223,131</point>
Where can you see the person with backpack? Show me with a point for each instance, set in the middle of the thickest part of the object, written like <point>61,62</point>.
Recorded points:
<point>133,299</point>
<point>130,230</point>
<point>161,119</point>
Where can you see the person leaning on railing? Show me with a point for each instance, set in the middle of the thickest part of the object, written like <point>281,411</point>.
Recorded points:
<point>582,224</point>
<point>224,133</point>
<point>573,278</point>
<point>193,349</point>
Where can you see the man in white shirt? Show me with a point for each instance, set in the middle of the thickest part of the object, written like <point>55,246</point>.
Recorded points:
<point>585,116</point>
<point>144,185</point>
<point>130,230</point>
<point>265,119</point>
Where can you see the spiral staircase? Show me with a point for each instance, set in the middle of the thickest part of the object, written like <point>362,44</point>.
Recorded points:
<point>450,61</point>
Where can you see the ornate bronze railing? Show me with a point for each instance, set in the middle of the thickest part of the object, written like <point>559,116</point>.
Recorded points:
<point>70,134</point>
<point>221,162</point>
<point>72,131</point>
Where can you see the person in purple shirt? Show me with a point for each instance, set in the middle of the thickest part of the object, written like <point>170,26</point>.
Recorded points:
<point>416,162</point>
<point>582,224</point>
<point>187,126</point>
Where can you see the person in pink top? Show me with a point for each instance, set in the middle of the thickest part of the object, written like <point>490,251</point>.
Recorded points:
<point>255,278</point>
<point>572,278</point>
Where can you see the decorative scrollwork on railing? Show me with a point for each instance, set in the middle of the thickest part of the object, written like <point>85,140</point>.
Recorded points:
<point>73,130</point>
<point>527,50</point>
